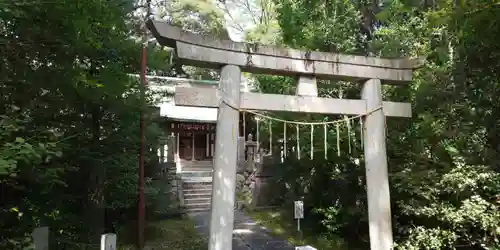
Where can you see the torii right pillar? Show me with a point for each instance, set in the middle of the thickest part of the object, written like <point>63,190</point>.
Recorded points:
<point>377,177</point>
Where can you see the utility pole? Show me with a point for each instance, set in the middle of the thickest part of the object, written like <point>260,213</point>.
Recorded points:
<point>141,206</point>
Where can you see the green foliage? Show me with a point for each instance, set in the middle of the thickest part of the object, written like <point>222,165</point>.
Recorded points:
<point>69,124</point>
<point>318,25</point>
<point>282,224</point>
<point>69,130</point>
<point>460,208</point>
<point>200,16</point>
<point>339,210</point>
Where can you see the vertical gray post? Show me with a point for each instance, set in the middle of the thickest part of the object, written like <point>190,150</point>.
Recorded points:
<point>241,149</point>
<point>171,148</point>
<point>377,181</point>
<point>163,147</point>
<point>180,190</point>
<point>193,149</point>
<point>225,160</point>
<point>40,237</point>
<point>108,242</point>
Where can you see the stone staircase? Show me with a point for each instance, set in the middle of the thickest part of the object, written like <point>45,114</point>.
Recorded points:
<point>196,185</point>
<point>197,194</point>
<point>196,168</point>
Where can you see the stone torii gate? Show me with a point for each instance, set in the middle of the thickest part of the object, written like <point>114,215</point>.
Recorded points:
<point>233,57</point>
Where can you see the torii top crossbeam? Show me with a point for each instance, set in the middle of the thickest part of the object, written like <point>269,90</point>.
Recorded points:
<point>210,52</point>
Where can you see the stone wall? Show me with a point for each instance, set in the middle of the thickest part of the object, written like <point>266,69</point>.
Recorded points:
<point>167,166</point>
<point>252,177</point>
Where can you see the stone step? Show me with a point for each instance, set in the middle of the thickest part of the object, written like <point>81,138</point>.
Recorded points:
<point>195,210</point>
<point>196,201</point>
<point>196,163</point>
<point>197,185</point>
<point>170,164</point>
<point>196,169</point>
<point>188,174</point>
<point>197,189</point>
<point>194,194</point>
<point>198,179</point>
<point>200,204</point>
<point>192,191</point>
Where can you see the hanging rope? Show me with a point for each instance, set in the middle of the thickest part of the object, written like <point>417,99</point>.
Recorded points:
<point>172,54</point>
<point>325,131</point>
<point>284,139</point>
<point>244,126</point>
<point>311,123</point>
<point>298,142</point>
<point>297,123</point>
<point>257,136</point>
<point>348,123</point>
<point>362,132</point>
<point>336,122</point>
<point>338,139</point>
<point>270,138</point>
<point>312,141</point>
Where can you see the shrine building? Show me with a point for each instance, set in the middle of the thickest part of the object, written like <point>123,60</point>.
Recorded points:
<point>191,131</point>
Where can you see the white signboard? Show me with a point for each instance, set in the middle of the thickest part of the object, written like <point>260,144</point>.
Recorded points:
<point>108,242</point>
<point>299,210</point>
<point>41,238</point>
<point>305,248</point>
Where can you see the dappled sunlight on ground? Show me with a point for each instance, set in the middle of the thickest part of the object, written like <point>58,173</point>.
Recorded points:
<point>283,226</point>
<point>247,234</point>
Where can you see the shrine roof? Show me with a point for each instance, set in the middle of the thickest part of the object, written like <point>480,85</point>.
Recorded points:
<point>169,110</point>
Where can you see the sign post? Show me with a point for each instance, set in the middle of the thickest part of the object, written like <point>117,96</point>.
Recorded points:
<point>299,214</point>
<point>108,242</point>
<point>298,211</point>
<point>305,248</point>
<point>257,158</point>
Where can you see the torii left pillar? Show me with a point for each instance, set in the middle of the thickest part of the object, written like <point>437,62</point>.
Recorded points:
<point>225,160</point>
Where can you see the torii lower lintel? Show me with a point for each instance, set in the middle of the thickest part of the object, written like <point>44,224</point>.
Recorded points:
<point>210,98</point>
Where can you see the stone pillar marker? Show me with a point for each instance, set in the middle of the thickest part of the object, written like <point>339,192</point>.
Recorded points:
<point>108,242</point>
<point>377,180</point>
<point>251,147</point>
<point>40,237</point>
<point>241,149</point>
<point>225,160</point>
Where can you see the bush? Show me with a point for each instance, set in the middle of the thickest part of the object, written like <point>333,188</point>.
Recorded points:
<point>431,210</point>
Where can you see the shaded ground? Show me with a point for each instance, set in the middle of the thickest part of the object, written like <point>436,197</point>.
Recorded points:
<point>281,224</point>
<point>176,233</point>
<point>247,235</point>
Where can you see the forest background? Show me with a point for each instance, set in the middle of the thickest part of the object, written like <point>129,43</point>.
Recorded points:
<point>69,128</point>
